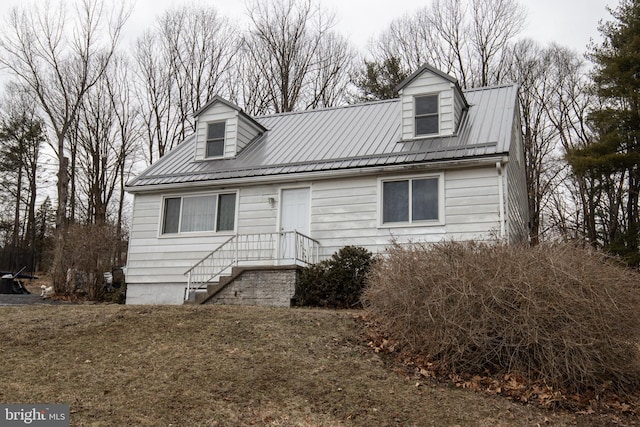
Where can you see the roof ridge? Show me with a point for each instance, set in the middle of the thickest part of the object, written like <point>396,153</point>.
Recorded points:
<point>337,107</point>
<point>498,86</point>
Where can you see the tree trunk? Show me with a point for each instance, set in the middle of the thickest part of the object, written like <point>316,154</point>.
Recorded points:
<point>16,220</point>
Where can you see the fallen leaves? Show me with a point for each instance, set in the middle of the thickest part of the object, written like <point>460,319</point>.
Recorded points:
<point>514,386</point>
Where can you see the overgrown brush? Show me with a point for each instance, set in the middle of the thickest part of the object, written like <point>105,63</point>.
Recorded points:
<point>561,314</point>
<point>88,250</point>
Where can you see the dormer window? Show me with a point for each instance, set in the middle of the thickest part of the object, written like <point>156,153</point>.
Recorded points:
<point>215,139</point>
<point>426,115</point>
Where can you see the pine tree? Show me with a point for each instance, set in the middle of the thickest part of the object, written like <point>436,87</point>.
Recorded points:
<point>613,160</point>
<point>379,80</point>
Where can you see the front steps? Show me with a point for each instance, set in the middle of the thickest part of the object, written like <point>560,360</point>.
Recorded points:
<point>263,285</point>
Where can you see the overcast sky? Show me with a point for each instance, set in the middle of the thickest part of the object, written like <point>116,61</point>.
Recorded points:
<point>571,23</point>
<point>568,22</point>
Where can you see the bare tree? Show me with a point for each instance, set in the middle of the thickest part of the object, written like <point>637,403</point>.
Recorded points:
<point>494,23</point>
<point>468,41</point>
<point>530,68</point>
<point>181,64</point>
<point>60,57</point>
<point>302,64</point>
<point>107,132</point>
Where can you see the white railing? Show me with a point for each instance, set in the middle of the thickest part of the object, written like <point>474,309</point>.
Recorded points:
<point>285,247</point>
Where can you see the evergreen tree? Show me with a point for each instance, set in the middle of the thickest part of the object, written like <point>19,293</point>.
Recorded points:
<point>613,160</point>
<point>21,136</point>
<point>379,80</point>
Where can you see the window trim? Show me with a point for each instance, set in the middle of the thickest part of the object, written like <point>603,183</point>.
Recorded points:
<point>207,140</point>
<point>423,223</point>
<point>416,116</point>
<point>215,232</point>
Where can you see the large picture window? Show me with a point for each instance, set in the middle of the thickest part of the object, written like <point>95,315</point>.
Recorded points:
<point>213,212</point>
<point>427,120</point>
<point>411,200</point>
<point>215,139</point>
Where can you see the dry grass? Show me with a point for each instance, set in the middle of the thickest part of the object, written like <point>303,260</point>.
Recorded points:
<point>228,366</point>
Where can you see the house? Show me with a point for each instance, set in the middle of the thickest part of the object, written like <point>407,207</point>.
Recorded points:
<point>228,214</point>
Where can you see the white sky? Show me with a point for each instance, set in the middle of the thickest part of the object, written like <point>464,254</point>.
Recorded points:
<point>571,23</point>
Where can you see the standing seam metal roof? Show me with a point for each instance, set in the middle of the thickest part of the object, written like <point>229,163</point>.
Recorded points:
<point>354,136</point>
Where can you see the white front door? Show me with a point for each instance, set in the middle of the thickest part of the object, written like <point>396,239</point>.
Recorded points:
<point>294,216</point>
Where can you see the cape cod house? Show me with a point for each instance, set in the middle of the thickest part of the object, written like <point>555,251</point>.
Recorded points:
<point>228,214</point>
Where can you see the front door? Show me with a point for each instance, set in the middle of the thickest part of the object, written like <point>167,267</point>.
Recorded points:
<point>294,216</point>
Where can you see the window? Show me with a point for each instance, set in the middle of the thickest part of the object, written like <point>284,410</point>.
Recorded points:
<point>411,200</point>
<point>215,212</point>
<point>215,139</point>
<point>427,119</point>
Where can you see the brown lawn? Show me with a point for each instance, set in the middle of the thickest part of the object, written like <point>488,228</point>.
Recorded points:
<point>231,366</point>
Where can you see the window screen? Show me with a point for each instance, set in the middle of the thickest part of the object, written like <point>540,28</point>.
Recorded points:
<point>226,212</point>
<point>410,200</point>
<point>424,203</point>
<point>395,197</point>
<point>171,215</point>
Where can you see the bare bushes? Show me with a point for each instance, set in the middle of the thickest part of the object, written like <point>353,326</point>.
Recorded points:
<point>558,314</point>
<point>87,251</point>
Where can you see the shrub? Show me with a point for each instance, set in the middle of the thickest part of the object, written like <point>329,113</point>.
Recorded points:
<point>87,251</point>
<point>555,313</point>
<point>336,282</point>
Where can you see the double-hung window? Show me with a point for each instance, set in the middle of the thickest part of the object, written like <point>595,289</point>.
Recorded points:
<point>412,200</point>
<point>426,115</point>
<point>213,212</point>
<point>215,139</point>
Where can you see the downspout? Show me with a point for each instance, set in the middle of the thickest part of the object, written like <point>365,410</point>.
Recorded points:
<point>499,168</point>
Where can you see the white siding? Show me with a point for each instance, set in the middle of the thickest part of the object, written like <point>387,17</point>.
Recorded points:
<point>343,212</point>
<point>246,133</point>
<point>161,259</point>
<point>217,112</point>
<point>428,84</point>
<point>516,196</point>
<point>458,109</point>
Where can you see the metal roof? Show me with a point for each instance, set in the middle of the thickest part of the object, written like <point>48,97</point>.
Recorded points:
<point>343,138</point>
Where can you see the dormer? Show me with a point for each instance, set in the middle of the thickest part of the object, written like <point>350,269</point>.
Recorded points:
<point>432,104</point>
<point>223,130</point>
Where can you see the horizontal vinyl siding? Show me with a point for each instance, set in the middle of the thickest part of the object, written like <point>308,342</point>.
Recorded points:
<point>345,212</point>
<point>458,106</point>
<point>158,259</point>
<point>472,203</point>
<point>427,84</point>
<point>217,112</point>
<point>246,133</point>
<point>255,215</point>
<point>517,199</point>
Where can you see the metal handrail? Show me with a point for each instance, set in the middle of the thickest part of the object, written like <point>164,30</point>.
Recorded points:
<point>284,245</point>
